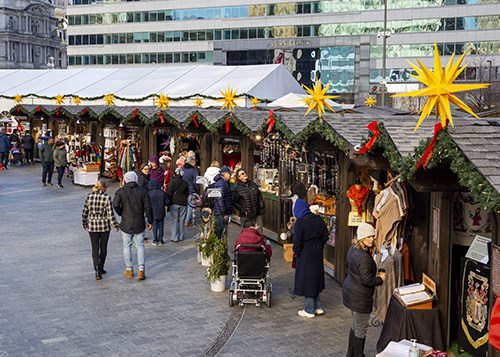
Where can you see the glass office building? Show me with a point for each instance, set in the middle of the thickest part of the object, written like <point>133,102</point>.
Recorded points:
<point>334,41</point>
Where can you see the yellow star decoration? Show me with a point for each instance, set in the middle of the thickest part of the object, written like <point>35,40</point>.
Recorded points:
<point>18,98</point>
<point>229,99</point>
<point>440,88</point>
<point>77,100</point>
<point>162,101</point>
<point>370,101</point>
<point>255,101</point>
<point>317,100</point>
<point>109,99</point>
<point>59,99</point>
<point>198,102</point>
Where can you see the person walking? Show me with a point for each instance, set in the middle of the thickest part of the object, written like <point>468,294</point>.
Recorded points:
<point>46,154</point>
<point>359,287</point>
<point>223,205</point>
<point>143,176</point>
<point>177,192</point>
<point>5,147</point>
<point>309,237</point>
<point>190,173</point>
<point>159,200</point>
<point>247,199</point>
<point>130,202</point>
<point>97,215</point>
<point>212,171</point>
<point>60,161</point>
<point>28,144</point>
<point>155,170</point>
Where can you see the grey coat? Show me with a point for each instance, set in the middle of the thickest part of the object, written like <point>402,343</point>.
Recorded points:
<point>60,158</point>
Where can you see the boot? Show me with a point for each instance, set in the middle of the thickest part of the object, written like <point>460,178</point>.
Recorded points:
<point>350,349</point>
<point>359,346</point>
<point>98,275</point>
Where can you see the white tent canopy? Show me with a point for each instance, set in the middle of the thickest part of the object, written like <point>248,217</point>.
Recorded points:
<point>293,100</point>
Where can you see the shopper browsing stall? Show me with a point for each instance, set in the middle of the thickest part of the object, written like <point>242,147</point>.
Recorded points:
<point>178,191</point>
<point>223,205</point>
<point>155,170</point>
<point>247,199</point>
<point>159,201</point>
<point>190,173</point>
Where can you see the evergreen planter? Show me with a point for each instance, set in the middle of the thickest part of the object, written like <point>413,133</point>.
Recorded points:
<point>219,285</point>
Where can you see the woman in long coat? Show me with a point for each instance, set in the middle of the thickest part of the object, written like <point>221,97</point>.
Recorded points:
<point>309,238</point>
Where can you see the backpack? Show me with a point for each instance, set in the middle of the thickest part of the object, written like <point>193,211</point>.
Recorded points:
<point>208,201</point>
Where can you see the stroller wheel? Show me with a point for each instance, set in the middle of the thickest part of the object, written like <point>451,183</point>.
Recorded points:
<point>231,303</point>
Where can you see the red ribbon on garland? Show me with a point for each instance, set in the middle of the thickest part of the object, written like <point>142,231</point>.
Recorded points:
<point>428,152</point>
<point>38,109</point>
<point>194,119</point>
<point>373,127</point>
<point>227,123</point>
<point>17,109</point>
<point>85,110</point>
<point>270,121</point>
<point>161,117</point>
<point>135,113</point>
<point>57,113</point>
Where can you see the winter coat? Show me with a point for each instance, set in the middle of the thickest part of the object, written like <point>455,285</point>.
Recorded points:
<point>158,198</point>
<point>60,158</point>
<point>211,173</point>
<point>130,202</point>
<point>248,200</point>
<point>46,153</point>
<point>98,213</point>
<point>158,172</point>
<point>15,139</point>
<point>28,142</point>
<point>359,286</point>
<point>142,179</point>
<point>252,236</point>
<point>180,188</point>
<point>309,238</point>
<point>223,205</point>
<point>5,145</point>
<point>190,173</point>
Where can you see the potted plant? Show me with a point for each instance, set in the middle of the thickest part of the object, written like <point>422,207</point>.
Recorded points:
<point>207,242</point>
<point>200,239</point>
<point>220,265</point>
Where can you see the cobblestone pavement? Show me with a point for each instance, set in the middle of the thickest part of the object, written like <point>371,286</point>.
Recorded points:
<point>51,304</point>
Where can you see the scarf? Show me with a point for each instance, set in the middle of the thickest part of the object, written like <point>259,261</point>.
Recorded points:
<point>358,196</point>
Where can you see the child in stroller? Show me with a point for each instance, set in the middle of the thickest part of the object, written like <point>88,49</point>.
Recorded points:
<point>17,155</point>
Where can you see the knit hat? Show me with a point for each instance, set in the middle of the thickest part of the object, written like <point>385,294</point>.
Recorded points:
<point>300,190</point>
<point>130,176</point>
<point>365,230</point>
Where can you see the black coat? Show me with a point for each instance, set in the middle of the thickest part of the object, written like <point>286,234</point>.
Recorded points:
<point>223,205</point>
<point>309,237</point>
<point>130,202</point>
<point>158,198</point>
<point>181,189</point>
<point>359,286</point>
<point>248,200</point>
<point>142,180</point>
<point>28,142</point>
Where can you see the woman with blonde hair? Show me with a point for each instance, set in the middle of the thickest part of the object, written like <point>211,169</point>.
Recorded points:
<point>212,171</point>
<point>97,215</point>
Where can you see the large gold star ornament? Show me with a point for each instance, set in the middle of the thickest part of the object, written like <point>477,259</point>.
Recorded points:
<point>370,101</point>
<point>440,88</point>
<point>77,100</point>
<point>59,99</point>
<point>162,101</point>
<point>317,100</point>
<point>18,98</point>
<point>255,101</point>
<point>109,99</point>
<point>229,99</point>
<point>198,102</point>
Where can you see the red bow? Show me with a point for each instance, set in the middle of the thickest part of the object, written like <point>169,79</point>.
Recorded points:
<point>373,127</point>
<point>227,123</point>
<point>194,119</point>
<point>85,110</point>
<point>135,113</point>
<point>270,121</point>
<point>38,109</point>
<point>428,153</point>
<point>161,117</point>
<point>57,113</point>
<point>17,109</point>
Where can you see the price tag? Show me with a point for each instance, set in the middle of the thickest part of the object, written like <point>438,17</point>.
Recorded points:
<point>214,192</point>
<point>202,180</point>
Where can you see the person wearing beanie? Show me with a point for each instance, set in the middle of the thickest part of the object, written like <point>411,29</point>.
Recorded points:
<point>309,237</point>
<point>155,170</point>
<point>359,287</point>
<point>130,202</point>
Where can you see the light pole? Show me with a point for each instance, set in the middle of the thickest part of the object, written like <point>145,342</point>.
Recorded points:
<point>384,35</point>
<point>489,87</point>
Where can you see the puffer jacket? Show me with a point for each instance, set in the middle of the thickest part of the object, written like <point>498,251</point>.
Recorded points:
<point>248,200</point>
<point>46,153</point>
<point>359,286</point>
<point>60,158</point>
<point>4,143</point>
<point>158,198</point>
<point>130,202</point>
<point>180,188</point>
<point>223,205</point>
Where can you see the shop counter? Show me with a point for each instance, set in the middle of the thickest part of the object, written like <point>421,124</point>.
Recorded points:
<point>85,178</point>
<point>401,323</point>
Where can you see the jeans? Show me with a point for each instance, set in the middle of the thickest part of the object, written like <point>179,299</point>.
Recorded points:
<point>178,215</point>
<point>4,158</point>
<point>221,225</point>
<point>360,324</point>
<point>60,174</point>
<point>29,155</point>
<point>189,215</point>
<point>139,245</point>
<point>313,304</point>
<point>157,230</point>
<point>99,241</point>
<point>48,169</point>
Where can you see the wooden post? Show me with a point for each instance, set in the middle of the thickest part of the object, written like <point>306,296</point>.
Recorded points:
<point>247,155</point>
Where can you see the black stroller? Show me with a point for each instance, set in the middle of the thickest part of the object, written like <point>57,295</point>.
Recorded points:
<point>251,282</point>
<point>17,155</point>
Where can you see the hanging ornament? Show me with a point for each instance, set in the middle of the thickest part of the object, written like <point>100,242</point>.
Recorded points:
<point>428,152</point>
<point>229,99</point>
<point>18,99</point>
<point>440,88</point>
<point>370,101</point>
<point>227,123</point>
<point>161,117</point>
<point>77,100</point>
<point>270,121</point>
<point>59,99</point>
<point>318,98</point>
<point>373,127</point>
<point>162,101</point>
<point>194,119</point>
<point>255,101</point>
<point>109,100</point>
<point>198,102</point>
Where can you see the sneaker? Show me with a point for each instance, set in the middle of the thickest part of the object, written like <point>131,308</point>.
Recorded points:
<point>189,224</point>
<point>50,184</point>
<point>141,275</point>
<point>44,184</point>
<point>319,311</point>
<point>154,243</point>
<point>129,273</point>
<point>59,186</point>
<point>303,313</point>
<point>161,243</point>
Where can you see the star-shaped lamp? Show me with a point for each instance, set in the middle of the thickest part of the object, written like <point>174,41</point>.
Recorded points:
<point>317,100</point>
<point>109,99</point>
<point>77,100</point>
<point>18,98</point>
<point>440,88</point>
<point>229,99</point>
<point>255,101</point>
<point>162,101</point>
<point>370,101</point>
<point>59,99</point>
<point>198,102</point>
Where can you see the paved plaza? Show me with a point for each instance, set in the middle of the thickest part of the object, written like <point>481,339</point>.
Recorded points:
<point>51,304</point>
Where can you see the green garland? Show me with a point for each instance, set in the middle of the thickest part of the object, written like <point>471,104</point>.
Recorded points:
<point>326,131</point>
<point>200,119</point>
<point>279,126</point>
<point>238,124</point>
